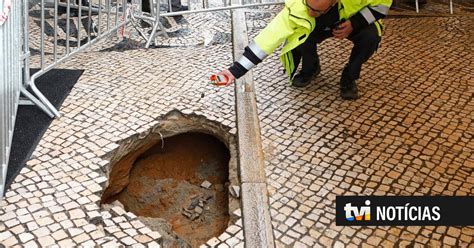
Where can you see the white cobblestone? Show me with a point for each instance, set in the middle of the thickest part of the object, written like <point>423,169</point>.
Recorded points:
<point>25,237</point>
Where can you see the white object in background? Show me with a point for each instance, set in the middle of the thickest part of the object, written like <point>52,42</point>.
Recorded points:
<point>208,37</point>
<point>7,5</point>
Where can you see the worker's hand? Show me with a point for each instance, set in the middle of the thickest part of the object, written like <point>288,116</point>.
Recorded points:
<point>343,30</point>
<point>229,75</point>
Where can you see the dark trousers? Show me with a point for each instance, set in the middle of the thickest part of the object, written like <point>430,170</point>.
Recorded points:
<point>365,43</point>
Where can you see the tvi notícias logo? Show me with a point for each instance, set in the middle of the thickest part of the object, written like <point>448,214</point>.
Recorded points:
<point>393,213</point>
<point>354,213</point>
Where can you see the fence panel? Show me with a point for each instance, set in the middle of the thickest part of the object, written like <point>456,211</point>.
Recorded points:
<point>64,28</point>
<point>10,79</point>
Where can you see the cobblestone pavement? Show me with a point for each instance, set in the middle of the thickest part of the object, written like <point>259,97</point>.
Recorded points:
<point>433,8</point>
<point>409,134</point>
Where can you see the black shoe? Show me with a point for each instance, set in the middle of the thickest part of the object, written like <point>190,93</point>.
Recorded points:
<point>302,80</point>
<point>349,89</point>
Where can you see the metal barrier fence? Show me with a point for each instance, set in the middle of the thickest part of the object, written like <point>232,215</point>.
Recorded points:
<point>10,79</point>
<point>100,18</point>
<point>417,6</point>
<point>16,57</point>
<point>63,21</point>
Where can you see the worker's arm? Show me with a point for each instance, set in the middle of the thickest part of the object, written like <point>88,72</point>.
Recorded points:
<point>252,56</point>
<point>264,44</point>
<point>377,9</point>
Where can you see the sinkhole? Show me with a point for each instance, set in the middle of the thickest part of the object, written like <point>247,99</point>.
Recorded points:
<point>177,179</point>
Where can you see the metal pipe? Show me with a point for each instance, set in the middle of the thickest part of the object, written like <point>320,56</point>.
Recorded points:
<point>133,21</point>
<point>116,12</point>
<point>43,99</point>
<point>4,116</point>
<point>7,65</point>
<point>37,102</point>
<point>68,12</point>
<point>89,22</point>
<point>76,6</point>
<point>124,13</point>
<point>79,22</point>
<point>42,35</point>
<point>108,14</point>
<point>208,10</point>
<point>99,17</point>
<point>26,45</point>
<point>156,21</point>
<point>152,7</point>
<point>55,52</point>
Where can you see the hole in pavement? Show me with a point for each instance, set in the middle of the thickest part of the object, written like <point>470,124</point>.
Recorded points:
<point>177,183</point>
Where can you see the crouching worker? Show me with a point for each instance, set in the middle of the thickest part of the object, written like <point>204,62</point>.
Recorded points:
<point>303,24</point>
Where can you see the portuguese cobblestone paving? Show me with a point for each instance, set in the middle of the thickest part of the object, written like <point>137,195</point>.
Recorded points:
<point>410,133</point>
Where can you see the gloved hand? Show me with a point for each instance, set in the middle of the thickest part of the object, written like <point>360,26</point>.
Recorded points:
<point>229,75</point>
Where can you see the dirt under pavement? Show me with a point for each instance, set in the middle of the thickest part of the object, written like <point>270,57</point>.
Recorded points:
<point>166,178</point>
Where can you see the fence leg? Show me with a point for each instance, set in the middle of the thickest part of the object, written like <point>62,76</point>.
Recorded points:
<point>156,25</point>
<point>417,6</point>
<point>3,176</point>
<point>451,6</point>
<point>37,102</point>
<point>153,33</point>
<point>43,99</point>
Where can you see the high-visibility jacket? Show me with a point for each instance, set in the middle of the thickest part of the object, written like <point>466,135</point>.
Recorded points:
<point>293,25</point>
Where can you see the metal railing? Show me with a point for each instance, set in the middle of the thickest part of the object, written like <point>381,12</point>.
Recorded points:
<point>16,58</point>
<point>10,79</point>
<point>99,20</point>
<point>417,6</point>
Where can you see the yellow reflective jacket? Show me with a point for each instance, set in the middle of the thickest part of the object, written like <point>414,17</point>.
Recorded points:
<point>293,26</point>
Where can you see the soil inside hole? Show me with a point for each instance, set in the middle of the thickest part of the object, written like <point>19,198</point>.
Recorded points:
<point>165,179</point>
